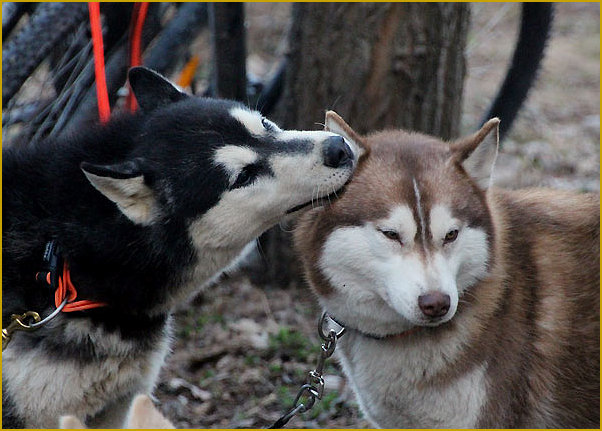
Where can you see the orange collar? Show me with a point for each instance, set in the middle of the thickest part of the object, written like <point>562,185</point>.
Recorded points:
<point>63,284</point>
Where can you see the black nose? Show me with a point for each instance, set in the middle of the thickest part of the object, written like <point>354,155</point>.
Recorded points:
<point>336,152</point>
<point>434,304</point>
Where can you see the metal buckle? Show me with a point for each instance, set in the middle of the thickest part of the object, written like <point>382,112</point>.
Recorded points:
<point>18,323</point>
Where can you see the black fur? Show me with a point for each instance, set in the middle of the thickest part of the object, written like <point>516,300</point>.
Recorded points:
<point>10,417</point>
<point>535,29</point>
<point>46,196</point>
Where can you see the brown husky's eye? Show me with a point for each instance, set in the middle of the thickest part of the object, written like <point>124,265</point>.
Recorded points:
<point>450,236</point>
<point>391,234</point>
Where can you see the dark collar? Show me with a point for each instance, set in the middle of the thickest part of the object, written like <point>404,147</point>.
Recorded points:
<point>373,336</point>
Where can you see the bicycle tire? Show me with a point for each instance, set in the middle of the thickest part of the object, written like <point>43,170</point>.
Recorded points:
<point>11,15</point>
<point>48,25</point>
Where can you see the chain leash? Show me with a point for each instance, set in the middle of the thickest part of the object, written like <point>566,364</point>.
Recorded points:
<point>313,389</point>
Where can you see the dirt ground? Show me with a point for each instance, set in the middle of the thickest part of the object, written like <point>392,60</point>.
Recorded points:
<point>241,351</point>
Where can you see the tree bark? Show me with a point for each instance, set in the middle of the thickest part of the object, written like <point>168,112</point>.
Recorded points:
<point>229,53</point>
<point>378,65</point>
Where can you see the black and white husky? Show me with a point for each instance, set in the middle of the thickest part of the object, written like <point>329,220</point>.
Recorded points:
<point>143,210</point>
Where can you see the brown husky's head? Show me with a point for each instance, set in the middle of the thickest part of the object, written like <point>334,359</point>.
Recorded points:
<point>409,236</point>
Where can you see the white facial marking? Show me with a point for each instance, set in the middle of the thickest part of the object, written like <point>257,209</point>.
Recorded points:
<point>298,178</point>
<point>400,220</point>
<point>244,213</point>
<point>466,258</point>
<point>420,214</point>
<point>357,263</point>
<point>376,280</point>
<point>473,256</point>
<point>233,158</point>
<point>441,277</point>
<point>442,221</point>
<point>312,135</point>
<point>250,119</point>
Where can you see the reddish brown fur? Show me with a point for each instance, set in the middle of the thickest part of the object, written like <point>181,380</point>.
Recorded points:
<point>385,178</point>
<point>535,320</point>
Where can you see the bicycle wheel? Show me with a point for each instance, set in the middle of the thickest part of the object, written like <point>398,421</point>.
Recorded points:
<point>49,24</point>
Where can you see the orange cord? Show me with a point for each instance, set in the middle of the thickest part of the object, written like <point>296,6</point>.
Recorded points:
<point>185,78</point>
<point>65,288</point>
<point>104,109</point>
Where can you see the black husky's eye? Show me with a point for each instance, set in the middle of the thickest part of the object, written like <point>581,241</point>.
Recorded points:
<point>450,236</point>
<point>246,176</point>
<point>390,234</point>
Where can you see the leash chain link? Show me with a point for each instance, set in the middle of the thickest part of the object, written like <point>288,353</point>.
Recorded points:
<point>313,388</point>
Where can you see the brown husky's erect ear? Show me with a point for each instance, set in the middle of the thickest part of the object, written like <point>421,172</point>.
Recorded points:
<point>478,152</point>
<point>335,124</point>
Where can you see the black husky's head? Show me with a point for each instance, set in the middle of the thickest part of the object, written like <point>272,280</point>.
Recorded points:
<point>224,170</point>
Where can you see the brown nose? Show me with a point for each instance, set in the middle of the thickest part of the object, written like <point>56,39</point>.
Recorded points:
<point>434,304</point>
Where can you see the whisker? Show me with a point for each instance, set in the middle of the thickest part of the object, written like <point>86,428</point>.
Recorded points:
<point>335,102</point>
<point>468,294</point>
<point>334,193</point>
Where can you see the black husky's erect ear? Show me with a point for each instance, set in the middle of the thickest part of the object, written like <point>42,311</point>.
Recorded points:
<point>152,90</point>
<point>123,183</point>
<point>477,153</point>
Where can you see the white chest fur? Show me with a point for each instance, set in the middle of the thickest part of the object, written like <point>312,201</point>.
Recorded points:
<point>389,379</point>
<point>43,388</point>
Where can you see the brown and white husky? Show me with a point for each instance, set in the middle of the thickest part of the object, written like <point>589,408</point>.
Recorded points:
<point>465,305</point>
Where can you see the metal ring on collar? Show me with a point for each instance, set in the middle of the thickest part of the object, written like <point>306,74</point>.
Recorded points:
<point>49,317</point>
<point>324,336</point>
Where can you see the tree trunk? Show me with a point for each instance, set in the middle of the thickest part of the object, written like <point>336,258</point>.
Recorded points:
<point>378,65</point>
<point>229,79</point>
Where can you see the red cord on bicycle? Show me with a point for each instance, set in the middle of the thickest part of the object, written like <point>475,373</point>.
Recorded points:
<point>138,18</point>
<point>102,95</point>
